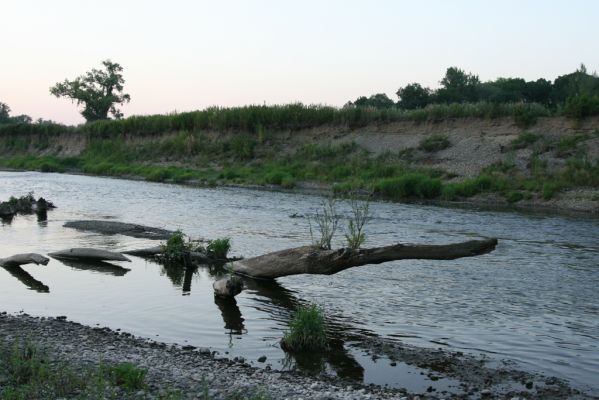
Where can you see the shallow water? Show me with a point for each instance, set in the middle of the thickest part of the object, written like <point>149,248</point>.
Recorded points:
<point>534,300</point>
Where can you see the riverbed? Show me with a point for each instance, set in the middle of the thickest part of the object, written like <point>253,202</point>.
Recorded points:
<point>533,301</point>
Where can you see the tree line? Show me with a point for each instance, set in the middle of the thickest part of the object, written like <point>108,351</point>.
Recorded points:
<point>577,90</point>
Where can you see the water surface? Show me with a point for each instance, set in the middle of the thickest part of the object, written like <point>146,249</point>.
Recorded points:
<point>534,300</point>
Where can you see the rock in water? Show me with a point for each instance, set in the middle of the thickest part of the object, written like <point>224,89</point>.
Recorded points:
<point>229,286</point>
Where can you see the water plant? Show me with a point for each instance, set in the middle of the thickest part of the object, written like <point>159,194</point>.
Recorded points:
<point>176,246</point>
<point>360,215</point>
<point>218,248</point>
<point>306,330</point>
<point>326,222</point>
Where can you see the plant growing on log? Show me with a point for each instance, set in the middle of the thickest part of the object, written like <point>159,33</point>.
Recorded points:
<point>306,331</point>
<point>176,246</point>
<point>360,215</point>
<point>327,224</point>
<point>218,248</point>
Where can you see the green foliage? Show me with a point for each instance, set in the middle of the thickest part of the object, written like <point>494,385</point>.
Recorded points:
<point>128,376</point>
<point>355,226</point>
<point>413,96</point>
<point>306,330</point>
<point>525,115</point>
<point>219,248</point>
<point>176,246</point>
<point>434,143</point>
<point>581,106</point>
<point>326,223</point>
<point>411,185</point>
<point>98,90</point>
<point>524,140</point>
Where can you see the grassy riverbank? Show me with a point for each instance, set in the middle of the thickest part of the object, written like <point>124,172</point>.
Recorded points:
<point>451,157</point>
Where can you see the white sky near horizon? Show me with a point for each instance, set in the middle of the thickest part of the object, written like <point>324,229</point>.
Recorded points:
<point>187,55</point>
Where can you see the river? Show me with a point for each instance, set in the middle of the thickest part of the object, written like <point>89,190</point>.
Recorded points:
<point>534,300</point>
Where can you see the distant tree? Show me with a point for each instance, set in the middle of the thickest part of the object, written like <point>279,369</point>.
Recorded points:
<point>538,91</point>
<point>21,119</point>
<point>380,100</point>
<point>578,83</point>
<point>413,96</point>
<point>4,113</point>
<point>457,87</point>
<point>99,91</point>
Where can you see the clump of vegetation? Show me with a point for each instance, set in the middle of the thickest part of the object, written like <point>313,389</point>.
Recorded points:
<point>355,227</point>
<point>524,140</point>
<point>306,330</point>
<point>218,248</point>
<point>28,373</point>
<point>176,246</point>
<point>127,375</point>
<point>410,185</point>
<point>581,106</point>
<point>326,222</point>
<point>434,143</point>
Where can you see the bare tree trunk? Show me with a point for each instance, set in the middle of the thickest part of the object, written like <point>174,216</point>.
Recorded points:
<point>308,260</point>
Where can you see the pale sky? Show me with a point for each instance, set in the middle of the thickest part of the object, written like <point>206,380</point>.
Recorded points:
<point>182,55</point>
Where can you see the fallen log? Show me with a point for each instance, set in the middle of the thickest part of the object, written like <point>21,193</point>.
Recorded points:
<point>147,252</point>
<point>122,228</point>
<point>83,253</point>
<point>22,259</point>
<point>310,260</point>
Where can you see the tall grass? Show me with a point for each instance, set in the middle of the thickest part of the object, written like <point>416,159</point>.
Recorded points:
<point>259,120</point>
<point>306,330</point>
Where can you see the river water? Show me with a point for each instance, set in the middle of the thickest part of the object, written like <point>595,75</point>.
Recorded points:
<point>534,300</point>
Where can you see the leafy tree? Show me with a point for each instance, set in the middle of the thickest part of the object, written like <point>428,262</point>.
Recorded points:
<point>578,83</point>
<point>538,91</point>
<point>458,87</point>
<point>4,113</point>
<point>98,90</point>
<point>379,100</point>
<point>413,96</point>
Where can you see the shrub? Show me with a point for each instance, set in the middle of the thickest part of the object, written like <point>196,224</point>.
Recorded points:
<point>175,247</point>
<point>524,140</point>
<point>409,186</point>
<point>525,115</point>
<point>327,222</point>
<point>218,248</point>
<point>128,376</point>
<point>434,143</point>
<point>581,106</point>
<point>306,330</point>
<point>360,215</point>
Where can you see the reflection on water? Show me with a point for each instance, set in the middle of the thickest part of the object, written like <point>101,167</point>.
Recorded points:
<point>101,267</point>
<point>533,300</point>
<point>27,279</point>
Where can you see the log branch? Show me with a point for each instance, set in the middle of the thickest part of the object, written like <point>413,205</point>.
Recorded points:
<point>22,259</point>
<point>308,260</point>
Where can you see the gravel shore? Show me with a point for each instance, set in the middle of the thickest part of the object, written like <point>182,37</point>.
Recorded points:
<point>191,370</point>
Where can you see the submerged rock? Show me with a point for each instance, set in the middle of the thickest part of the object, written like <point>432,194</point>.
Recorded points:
<point>122,228</point>
<point>82,253</point>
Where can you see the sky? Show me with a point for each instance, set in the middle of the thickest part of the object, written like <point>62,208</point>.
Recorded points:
<point>182,55</point>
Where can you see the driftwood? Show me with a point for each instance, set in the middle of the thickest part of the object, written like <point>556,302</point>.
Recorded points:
<point>147,252</point>
<point>22,259</point>
<point>308,260</point>
<point>83,253</point>
<point>122,228</point>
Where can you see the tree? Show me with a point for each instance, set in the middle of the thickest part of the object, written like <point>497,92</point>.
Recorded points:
<point>458,87</point>
<point>4,113</point>
<point>413,96</point>
<point>100,91</point>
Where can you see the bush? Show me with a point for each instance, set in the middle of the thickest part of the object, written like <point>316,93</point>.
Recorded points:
<point>306,330</point>
<point>128,376</point>
<point>175,247</point>
<point>524,140</point>
<point>526,115</point>
<point>410,186</point>
<point>360,215</point>
<point>434,143</point>
<point>218,248</point>
<point>581,106</point>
